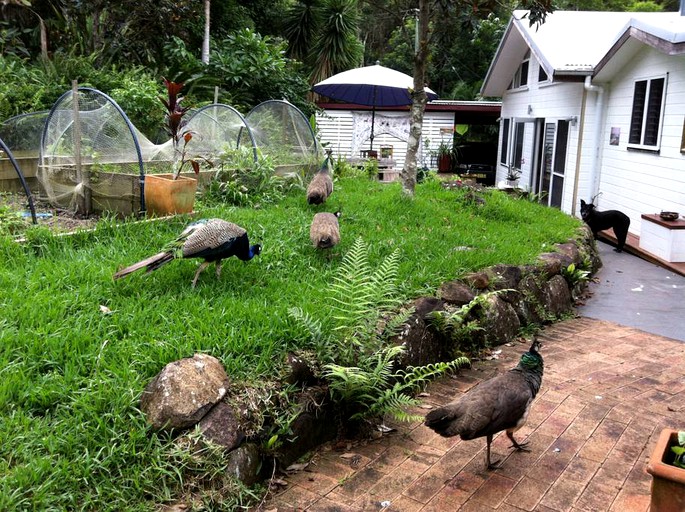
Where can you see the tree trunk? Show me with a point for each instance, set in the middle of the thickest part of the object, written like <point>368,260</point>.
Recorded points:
<point>205,40</point>
<point>408,174</point>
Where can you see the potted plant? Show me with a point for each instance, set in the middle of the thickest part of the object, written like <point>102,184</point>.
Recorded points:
<point>513,175</point>
<point>172,193</point>
<point>667,467</point>
<point>444,157</point>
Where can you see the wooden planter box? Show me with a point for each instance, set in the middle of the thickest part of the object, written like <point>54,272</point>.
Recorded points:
<point>668,481</point>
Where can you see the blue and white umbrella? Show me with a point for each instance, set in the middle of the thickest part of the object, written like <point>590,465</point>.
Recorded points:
<point>376,86</point>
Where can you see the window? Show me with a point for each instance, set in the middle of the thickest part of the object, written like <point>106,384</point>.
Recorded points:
<point>646,115</point>
<point>518,145</point>
<point>521,75</point>
<point>542,76</point>
<point>505,142</point>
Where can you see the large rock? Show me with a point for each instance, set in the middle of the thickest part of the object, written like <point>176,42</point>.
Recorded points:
<point>456,293</point>
<point>245,463</point>
<point>184,391</point>
<point>222,426</point>
<point>530,308</point>
<point>558,299</point>
<point>423,344</point>
<point>500,322</point>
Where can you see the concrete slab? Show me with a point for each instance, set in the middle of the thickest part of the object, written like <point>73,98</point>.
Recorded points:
<point>633,292</point>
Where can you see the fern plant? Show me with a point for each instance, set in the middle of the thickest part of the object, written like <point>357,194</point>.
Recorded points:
<point>378,388</point>
<point>360,369</point>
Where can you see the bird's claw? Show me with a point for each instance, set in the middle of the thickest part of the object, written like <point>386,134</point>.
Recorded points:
<point>521,447</point>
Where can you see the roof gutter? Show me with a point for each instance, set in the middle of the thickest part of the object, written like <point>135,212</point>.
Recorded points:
<point>596,134</point>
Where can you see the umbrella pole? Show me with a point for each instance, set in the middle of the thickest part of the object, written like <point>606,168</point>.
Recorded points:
<point>373,121</point>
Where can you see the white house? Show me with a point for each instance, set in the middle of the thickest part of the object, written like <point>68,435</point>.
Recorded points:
<point>346,128</point>
<point>593,106</point>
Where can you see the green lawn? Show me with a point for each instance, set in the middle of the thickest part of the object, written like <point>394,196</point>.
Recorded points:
<point>71,374</point>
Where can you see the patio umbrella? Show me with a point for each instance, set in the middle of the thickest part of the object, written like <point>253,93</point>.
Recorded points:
<point>376,86</point>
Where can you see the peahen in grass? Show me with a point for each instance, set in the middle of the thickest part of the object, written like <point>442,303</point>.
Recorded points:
<point>325,230</point>
<point>500,403</point>
<point>321,185</point>
<point>211,239</point>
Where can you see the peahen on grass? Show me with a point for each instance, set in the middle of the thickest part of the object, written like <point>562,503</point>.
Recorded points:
<point>321,185</point>
<point>211,239</point>
<point>500,403</point>
<point>325,230</point>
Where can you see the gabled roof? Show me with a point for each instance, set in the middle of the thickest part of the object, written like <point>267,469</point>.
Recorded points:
<point>579,43</point>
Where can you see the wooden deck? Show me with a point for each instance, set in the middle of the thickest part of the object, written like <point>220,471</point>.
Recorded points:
<point>633,246</point>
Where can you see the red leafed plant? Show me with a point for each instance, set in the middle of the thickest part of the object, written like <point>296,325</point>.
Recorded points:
<point>175,126</point>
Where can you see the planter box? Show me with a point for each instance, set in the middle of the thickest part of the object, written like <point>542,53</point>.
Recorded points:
<point>668,481</point>
<point>166,196</point>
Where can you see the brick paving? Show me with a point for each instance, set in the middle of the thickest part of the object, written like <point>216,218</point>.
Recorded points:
<point>607,392</point>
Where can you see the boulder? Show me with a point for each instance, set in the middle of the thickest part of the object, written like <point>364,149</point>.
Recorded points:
<point>183,392</point>
<point>530,307</point>
<point>244,463</point>
<point>557,296</point>
<point>456,293</point>
<point>500,322</point>
<point>222,426</point>
<point>423,344</point>
<point>551,263</point>
<point>477,280</point>
<point>504,277</point>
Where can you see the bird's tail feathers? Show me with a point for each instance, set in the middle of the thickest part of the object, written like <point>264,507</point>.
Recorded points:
<point>443,421</point>
<point>151,263</point>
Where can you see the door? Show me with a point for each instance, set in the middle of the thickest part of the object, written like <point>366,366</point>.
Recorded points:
<point>551,162</point>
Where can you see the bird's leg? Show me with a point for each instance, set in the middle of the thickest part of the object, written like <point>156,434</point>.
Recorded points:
<point>490,465</point>
<point>199,269</point>
<point>218,269</point>
<point>522,447</point>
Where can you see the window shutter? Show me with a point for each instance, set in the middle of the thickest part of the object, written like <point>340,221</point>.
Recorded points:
<point>639,95</point>
<point>505,141</point>
<point>656,94</point>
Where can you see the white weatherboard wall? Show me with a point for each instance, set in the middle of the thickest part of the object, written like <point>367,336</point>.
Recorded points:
<point>550,102</point>
<point>635,181</point>
<point>335,131</point>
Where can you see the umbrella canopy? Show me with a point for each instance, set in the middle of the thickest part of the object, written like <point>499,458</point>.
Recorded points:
<point>376,86</point>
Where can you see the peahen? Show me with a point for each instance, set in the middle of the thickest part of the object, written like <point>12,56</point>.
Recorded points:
<point>325,230</point>
<point>211,239</point>
<point>500,403</point>
<point>321,185</point>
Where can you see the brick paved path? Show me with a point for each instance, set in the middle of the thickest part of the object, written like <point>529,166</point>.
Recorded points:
<point>607,392</point>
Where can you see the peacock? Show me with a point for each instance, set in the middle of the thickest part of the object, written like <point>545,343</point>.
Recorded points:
<point>500,403</point>
<point>211,239</point>
<point>321,185</point>
<point>325,230</point>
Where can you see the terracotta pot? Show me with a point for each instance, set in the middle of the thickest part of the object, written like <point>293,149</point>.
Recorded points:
<point>166,196</point>
<point>668,481</point>
<point>444,163</point>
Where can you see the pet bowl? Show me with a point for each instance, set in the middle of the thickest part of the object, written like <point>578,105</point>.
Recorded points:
<point>669,215</point>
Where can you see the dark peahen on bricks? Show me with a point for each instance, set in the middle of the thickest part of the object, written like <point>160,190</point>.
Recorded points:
<point>211,239</point>
<point>497,404</point>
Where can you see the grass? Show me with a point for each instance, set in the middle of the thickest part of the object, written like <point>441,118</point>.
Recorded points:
<point>71,371</point>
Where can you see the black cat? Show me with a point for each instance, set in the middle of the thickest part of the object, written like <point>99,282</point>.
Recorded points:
<point>599,221</point>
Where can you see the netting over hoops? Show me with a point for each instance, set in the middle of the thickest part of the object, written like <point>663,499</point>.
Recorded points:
<point>281,131</point>
<point>87,142</point>
<point>22,133</point>
<point>216,129</point>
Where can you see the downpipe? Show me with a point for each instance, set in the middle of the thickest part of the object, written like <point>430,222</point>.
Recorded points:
<point>596,134</point>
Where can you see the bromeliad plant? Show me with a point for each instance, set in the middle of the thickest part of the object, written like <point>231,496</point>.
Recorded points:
<point>175,124</point>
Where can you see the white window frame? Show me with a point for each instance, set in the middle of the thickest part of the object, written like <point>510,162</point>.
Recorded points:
<point>643,117</point>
